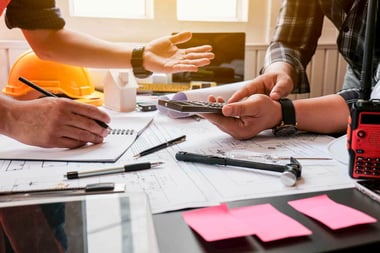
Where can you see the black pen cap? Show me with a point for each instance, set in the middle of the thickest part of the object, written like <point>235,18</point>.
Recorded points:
<point>72,174</point>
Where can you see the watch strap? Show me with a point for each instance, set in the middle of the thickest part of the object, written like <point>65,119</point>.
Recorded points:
<point>287,126</point>
<point>288,112</point>
<point>137,63</point>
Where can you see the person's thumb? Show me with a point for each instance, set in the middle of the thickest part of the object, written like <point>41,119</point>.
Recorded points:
<point>281,89</point>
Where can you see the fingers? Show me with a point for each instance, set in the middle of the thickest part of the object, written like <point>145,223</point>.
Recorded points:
<point>236,127</point>
<point>273,84</point>
<point>281,89</point>
<point>70,133</point>
<point>191,60</point>
<point>238,109</point>
<point>188,65</point>
<point>204,53</point>
<point>181,37</point>
<point>86,124</point>
<point>257,105</point>
<point>195,59</point>
<point>162,55</point>
<point>64,136</point>
<point>199,49</point>
<point>259,85</point>
<point>69,124</point>
<point>84,116</point>
<point>64,142</point>
<point>211,98</point>
<point>74,137</point>
<point>281,77</point>
<point>220,100</point>
<point>88,111</point>
<point>242,93</point>
<point>245,119</point>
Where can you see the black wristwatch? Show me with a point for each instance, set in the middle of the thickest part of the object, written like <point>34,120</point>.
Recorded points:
<point>137,63</point>
<point>288,124</point>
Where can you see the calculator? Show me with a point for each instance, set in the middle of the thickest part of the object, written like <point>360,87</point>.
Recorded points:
<point>192,106</point>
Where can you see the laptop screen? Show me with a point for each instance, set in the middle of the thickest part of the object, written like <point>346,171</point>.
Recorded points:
<point>228,64</point>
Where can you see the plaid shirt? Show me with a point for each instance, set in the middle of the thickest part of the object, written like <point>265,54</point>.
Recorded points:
<point>299,26</point>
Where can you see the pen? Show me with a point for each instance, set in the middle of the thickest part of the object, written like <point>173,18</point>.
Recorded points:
<point>90,188</point>
<point>49,94</point>
<point>125,168</point>
<point>161,146</point>
<point>211,159</point>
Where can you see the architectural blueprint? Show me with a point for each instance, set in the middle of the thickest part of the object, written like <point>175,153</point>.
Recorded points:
<point>177,185</point>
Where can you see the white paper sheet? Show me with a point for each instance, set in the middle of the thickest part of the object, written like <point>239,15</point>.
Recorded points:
<point>177,185</point>
<point>338,150</point>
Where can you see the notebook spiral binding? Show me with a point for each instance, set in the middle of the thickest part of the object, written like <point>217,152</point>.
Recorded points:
<point>119,131</point>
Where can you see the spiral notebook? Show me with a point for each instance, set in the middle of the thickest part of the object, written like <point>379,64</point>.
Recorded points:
<point>124,132</point>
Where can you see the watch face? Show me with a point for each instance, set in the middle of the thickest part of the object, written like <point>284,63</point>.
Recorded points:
<point>283,131</point>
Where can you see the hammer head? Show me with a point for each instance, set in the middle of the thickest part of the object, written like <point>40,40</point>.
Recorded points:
<point>295,164</point>
<point>291,173</point>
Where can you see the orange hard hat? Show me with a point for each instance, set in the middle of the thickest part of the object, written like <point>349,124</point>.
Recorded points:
<point>60,79</point>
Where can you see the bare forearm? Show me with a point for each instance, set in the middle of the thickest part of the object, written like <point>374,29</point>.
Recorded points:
<point>78,49</point>
<point>160,55</point>
<point>5,121</point>
<point>327,114</point>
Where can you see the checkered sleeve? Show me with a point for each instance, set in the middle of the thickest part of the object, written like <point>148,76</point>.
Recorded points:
<point>295,38</point>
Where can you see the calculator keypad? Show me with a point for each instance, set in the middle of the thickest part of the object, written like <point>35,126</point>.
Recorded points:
<point>192,106</point>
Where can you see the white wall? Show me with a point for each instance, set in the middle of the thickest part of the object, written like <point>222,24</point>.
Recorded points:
<point>262,17</point>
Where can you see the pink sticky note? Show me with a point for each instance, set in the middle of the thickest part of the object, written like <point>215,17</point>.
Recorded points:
<point>219,222</point>
<point>215,223</point>
<point>331,213</point>
<point>269,223</point>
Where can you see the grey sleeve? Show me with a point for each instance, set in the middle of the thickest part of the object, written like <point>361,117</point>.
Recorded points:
<point>350,95</point>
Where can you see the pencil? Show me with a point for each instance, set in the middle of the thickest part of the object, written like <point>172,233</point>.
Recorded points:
<point>49,94</point>
<point>37,88</point>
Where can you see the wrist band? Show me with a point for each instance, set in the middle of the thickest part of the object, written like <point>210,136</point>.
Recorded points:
<point>137,63</point>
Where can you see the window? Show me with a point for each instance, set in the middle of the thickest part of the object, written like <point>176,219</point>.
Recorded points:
<point>213,10</point>
<point>187,10</point>
<point>129,9</point>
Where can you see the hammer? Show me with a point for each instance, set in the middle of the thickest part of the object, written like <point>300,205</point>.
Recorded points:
<point>290,172</point>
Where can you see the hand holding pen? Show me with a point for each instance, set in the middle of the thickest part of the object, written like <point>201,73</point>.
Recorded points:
<point>56,123</point>
<point>49,94</point>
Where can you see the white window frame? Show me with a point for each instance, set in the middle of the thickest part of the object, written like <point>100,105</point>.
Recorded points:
<point>241,13</point>
<point>146,11</point>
